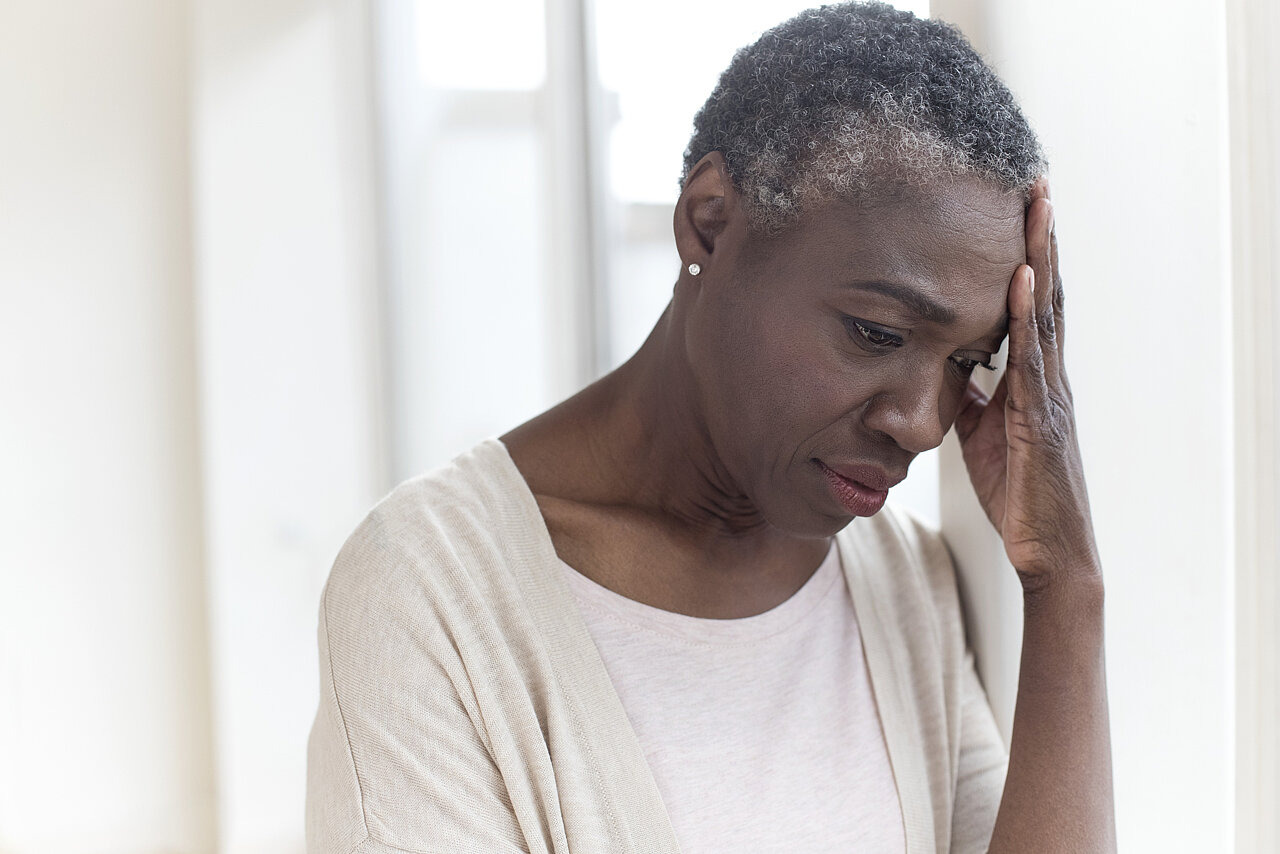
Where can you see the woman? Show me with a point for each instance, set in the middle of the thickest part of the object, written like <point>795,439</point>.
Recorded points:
<point>670,614</point>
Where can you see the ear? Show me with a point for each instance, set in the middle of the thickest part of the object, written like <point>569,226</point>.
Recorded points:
<point>706,212</point>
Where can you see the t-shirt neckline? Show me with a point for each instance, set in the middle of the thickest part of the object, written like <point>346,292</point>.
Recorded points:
<point>780,618</point>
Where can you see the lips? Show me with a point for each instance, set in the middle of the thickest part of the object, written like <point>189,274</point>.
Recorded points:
<point>868,476</point>
<point>861,490</point>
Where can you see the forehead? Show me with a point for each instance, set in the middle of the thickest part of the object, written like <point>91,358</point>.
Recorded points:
<point>955,239</point>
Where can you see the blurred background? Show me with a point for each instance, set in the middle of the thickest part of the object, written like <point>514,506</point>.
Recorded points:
<point>260,261</point>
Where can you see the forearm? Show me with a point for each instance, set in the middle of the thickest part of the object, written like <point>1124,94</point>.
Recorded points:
<point>1058,792</point>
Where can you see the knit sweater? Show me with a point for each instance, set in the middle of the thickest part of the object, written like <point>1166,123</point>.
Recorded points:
<point>464,708</point>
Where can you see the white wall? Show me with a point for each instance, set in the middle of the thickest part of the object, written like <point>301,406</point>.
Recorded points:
<point>287,281</point>
<point>1130,99</point>
<point>485,326</point>
<point>104,691</point>
<point>107,282</point>
<point>1253,30</point>
<point>191,427</point>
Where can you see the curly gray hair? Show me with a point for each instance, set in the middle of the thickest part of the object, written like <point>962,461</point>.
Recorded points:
<point>852,99</point>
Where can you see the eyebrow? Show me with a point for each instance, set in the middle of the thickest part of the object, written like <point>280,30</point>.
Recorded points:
<point>911,298</point>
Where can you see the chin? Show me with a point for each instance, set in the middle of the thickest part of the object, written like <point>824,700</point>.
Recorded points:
<point>812,521</point>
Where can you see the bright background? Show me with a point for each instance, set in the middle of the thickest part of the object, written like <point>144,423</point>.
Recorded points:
<point>262,259</point>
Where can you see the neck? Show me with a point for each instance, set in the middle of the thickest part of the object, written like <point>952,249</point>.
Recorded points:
<point>634,449</point>
<point>655,450</point>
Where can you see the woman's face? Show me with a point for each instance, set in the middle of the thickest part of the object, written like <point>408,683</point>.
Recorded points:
<point>847,344</point>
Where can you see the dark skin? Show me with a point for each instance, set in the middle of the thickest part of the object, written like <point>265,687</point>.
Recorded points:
<point>687,479</point>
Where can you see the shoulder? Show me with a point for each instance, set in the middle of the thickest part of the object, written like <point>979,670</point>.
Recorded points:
<point>456,500</point>
<point>429,584</point>
<point>405,622</point>
<point>446,518</point>
<point>433,556</point>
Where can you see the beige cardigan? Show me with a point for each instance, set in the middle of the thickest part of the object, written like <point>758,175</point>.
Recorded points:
<point>464,708</point>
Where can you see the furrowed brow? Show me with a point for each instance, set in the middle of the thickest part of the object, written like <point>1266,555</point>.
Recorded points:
<point>912,299</point>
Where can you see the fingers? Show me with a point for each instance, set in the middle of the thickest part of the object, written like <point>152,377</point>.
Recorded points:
<point>1001,394</point>
<point>1040,190</point>
<point>1025,374</point>
<point>1059,298</point>
<point>1039,231</point>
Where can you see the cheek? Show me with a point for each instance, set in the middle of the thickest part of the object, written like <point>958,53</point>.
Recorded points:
<point>952,396</point>
<point>797,377</point>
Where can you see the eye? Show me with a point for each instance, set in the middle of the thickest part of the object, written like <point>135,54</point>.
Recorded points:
<point>874,336</point>
<point>966,366</point>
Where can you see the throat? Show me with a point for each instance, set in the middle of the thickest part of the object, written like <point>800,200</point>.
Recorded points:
<point>638,557</point>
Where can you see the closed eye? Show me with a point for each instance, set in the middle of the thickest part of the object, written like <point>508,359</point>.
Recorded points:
<point>967,365</point>
<point>875,336</point>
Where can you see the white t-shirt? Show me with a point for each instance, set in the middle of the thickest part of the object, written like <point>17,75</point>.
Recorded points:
<point>762,732</point>
<point>465,706</point>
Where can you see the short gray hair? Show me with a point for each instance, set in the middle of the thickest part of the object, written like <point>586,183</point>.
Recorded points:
<point>847,100</point>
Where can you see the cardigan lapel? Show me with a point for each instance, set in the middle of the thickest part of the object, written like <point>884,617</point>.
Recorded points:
<point>637,818</point>
<point>641,824</point>
<point>873,601</point>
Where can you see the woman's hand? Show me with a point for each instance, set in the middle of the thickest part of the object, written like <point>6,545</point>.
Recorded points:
<point>1020,444</point>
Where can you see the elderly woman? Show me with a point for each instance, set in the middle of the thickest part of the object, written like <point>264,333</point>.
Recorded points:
<point>672,613</point>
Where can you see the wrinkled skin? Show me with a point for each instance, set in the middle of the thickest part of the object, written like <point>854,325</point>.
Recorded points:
<point>1020,445</point>
<point>688,478</point>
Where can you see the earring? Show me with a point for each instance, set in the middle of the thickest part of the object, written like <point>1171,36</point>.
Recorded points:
<point>694,269</point>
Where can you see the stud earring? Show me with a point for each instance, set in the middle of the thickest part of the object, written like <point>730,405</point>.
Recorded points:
<point>694,269</point>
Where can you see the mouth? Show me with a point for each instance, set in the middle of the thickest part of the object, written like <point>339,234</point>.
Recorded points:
<point>861,490</point>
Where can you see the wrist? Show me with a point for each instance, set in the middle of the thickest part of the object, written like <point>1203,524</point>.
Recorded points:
<point>1061,568</point>
<point>1082,586</point>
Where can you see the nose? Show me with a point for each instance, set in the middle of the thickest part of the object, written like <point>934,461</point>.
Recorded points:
<point>915,413</point>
